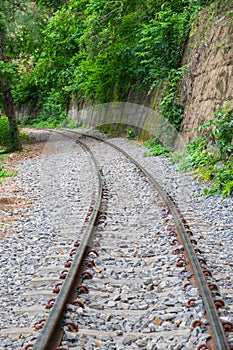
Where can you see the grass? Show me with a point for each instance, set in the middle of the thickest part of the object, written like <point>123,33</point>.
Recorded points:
<point>5,173</point>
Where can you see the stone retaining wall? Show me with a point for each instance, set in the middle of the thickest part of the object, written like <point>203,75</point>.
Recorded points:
<point>209,57</point>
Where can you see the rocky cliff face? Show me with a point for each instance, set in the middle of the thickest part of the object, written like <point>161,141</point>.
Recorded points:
<point>209,58</point>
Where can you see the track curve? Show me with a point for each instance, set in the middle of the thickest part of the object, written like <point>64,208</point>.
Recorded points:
<point>48,341</point>
<point>216,326</point>
<point>50,337</point>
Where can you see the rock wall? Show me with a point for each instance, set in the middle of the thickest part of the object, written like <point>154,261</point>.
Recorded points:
<point>209,58</point>
<point>144,120</point>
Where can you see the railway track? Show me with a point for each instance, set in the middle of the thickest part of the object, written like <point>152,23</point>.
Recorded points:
<point>110,295</point>
<point>47,236</point>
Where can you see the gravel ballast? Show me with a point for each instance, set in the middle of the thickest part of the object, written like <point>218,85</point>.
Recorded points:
<point>59,186</point>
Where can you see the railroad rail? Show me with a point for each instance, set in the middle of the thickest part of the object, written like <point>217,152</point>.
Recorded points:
<point>201,274</point>
<point>51,335</point>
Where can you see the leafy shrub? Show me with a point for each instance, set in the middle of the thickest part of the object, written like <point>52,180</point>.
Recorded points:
<point>53,109</point>
<point>222,176</point>
<point>211,153</point>
<point>157,149</point>
<point>50,122</point>
<point>130,133</point>
<point>219,131</point>
<point>25,120</point>
<point>4,173</point>
<point>5,136</point>
<point>52,115</point>
<point>170,105</point>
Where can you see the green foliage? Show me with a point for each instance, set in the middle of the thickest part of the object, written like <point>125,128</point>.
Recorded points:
<point>52,114</point>
<point>130,133</point>
<point>48,122</point>
<point>157,149</point>
<point>51,4</point>
<point>170,104</point>
<point>160,44</point>
<point>99,51</point>
<point>211,154</point>
<point>197,155</point>
<point>20,24</point>
<point>219,132</point>
<point>53,107</point>
<point>9,70</point>
<point>5,173</point>
<point>5,137</point>
<point>222,176</point>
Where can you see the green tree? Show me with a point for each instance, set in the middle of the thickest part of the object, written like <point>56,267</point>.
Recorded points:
<point>20,36</point>
<point>101,51</point>
<point>6,12</point>
<point>51,4</point>
<point>51,81</point>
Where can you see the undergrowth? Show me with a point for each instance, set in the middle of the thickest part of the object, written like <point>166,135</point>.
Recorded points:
<point>4,173</point>
<point>5,139</point>
<point>210,155</point>
<point>130,133</point>
<point>5,136</point>
<point>51,122</point>
<point>157,149</point>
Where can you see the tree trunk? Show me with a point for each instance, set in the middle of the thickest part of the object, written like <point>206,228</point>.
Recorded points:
<point>9,104</point>
<point>10,113</point>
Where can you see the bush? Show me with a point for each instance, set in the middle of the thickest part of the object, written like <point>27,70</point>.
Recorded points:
<point>210,155</point>
<point>4,173</point>
<point>50,122</point>
<point>222,176</point>
<point>157,149</point>
<point>5,136</point>
<point>130,133</point>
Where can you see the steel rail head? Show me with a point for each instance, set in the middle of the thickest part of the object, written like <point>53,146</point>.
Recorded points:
<point>49,337</point>
<point>215,323</point>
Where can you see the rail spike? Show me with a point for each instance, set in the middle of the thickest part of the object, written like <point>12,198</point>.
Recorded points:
<point>204,347</point>
<point>82,289</point>
<point>28,346</point>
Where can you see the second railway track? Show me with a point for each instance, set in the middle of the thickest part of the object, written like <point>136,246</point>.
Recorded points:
<point>141,291</point>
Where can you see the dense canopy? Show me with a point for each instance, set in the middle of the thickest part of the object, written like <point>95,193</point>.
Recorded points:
<point>95,51</point>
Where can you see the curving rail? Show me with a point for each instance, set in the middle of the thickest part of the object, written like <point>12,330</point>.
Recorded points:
<point>215,323</point>
<point>51,335</point>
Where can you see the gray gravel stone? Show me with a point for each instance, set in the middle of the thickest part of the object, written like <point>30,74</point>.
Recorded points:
<point>157,299</point>
<point>129,339</point>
